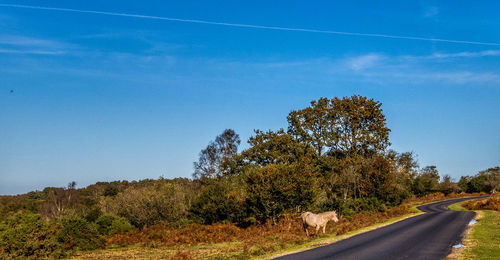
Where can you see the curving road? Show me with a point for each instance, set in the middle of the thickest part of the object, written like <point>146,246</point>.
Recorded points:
<point>427,236</point>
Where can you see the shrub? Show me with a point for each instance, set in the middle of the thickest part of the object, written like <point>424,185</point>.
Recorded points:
<point>77,233</point>
<point>27,235</point>
<point>93,214</point>
<point>491,203</point>
<point>108,224</point>
<point>181,223</point>
<point>218,202</point>
<point>274,189</point>
<point>362,205</point>
<point>150,205</point>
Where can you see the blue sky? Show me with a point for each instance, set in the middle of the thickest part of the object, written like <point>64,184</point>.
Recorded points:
<point>90,97</point>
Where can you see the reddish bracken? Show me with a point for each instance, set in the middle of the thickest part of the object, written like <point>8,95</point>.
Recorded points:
<point>287,230</point>
<point>492,203</point>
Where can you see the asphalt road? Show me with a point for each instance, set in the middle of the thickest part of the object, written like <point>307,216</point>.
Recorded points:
<point>428,236</point>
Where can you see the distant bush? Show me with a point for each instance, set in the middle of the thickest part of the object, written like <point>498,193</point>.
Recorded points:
<point>150,205</point>
<point>218,201</point>
<point>111,190</point>
<point>77,233</point>
<point>362,205</point>
<point>27,202</point>
<point>28,236</point>
<point>108,224</point>
<point>426,182</point>
<point>93,214</point>
<point>181,223</point>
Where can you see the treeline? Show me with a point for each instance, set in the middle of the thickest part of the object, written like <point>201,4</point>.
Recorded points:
<point>332,156</point>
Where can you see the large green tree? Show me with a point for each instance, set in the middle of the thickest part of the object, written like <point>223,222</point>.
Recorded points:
<point>349,126</point>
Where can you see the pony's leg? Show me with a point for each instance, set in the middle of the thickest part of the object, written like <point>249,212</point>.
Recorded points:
<point>317,229</point>
<point>324,227</point>
<point>305,229</point>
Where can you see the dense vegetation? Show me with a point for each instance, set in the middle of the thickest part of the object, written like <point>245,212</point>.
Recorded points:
<point>332,156</point>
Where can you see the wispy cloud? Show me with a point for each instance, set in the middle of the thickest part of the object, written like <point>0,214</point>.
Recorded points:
<point>16,40</point>
<point>465,54</point>
<point>363,62</point>
<point>15,44</point>
<point>37,52</point>
<point>431,11</point>
<point>451,56</point>
<point>422,76</point>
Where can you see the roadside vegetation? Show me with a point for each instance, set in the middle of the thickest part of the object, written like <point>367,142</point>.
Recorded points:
<point>240,204</point>
<point>483,239</point>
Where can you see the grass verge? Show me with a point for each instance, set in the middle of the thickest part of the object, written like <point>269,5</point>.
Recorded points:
<point>458,206</point>
<point>483,238</point>
<point>483,241</point>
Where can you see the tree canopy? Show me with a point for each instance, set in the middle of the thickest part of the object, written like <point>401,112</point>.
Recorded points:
<point>348,126</point>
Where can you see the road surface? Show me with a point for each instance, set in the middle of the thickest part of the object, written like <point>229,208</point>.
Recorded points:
<point>427,236</point>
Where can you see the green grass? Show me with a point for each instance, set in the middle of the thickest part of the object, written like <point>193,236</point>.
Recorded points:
<point>458,206</point>
<point>483,240</point>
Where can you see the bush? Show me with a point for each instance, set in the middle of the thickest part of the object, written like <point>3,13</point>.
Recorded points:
<point>77,233</point>
<point>27,235</point>
<point>362,205</point>
<point>492,203</point>
<point>93,214</point>
<point>218,202</point>
<point>150,205</point>
<point>274,189</point>
<point>108,224</point>
<point>181,223</point>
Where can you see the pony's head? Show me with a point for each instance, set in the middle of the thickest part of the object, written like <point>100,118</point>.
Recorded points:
<point>334,217</point>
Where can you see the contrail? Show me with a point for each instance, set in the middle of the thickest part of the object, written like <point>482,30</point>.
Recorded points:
<point>249,25</point>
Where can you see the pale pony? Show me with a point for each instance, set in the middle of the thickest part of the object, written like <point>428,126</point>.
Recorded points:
<point>317,220</point>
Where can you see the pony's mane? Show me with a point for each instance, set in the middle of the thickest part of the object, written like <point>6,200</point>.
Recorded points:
<point>328,213</point>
